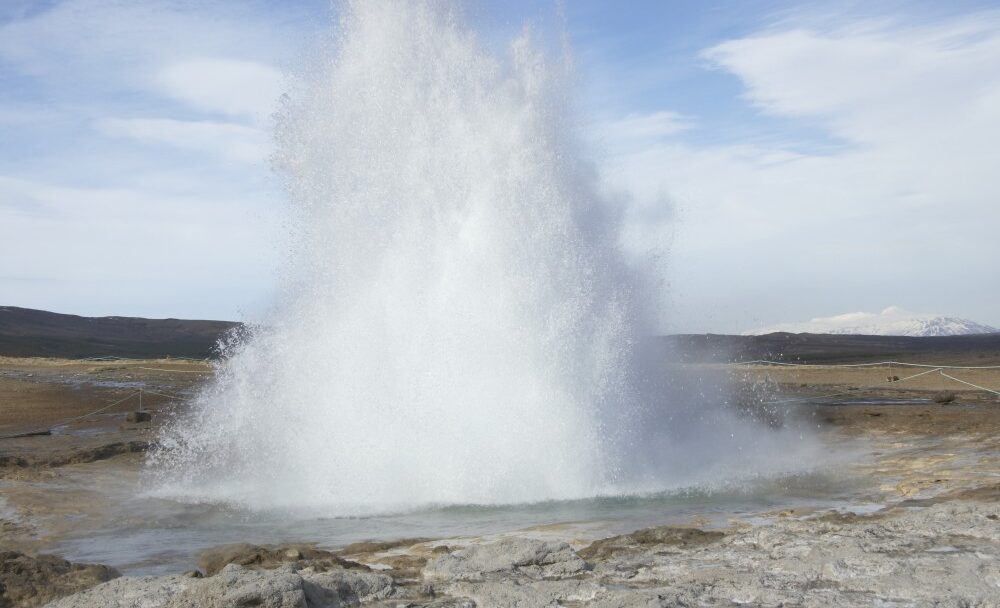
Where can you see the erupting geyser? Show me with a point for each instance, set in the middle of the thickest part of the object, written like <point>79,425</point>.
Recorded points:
<point>458,323</point>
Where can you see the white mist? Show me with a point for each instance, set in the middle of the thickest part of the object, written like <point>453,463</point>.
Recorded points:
<point>458,322</point>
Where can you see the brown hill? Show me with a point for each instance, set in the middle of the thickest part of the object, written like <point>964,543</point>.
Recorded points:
<point>36,333</point>
<point>25,332</point>
<point>982,349</point>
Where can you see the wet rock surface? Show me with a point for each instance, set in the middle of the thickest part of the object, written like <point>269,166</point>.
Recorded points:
<point>937,546</point>
<point>664,536</point>
<point>522,556</point>
<point>944,553</point>
<point>30,581</point>
<point>236,586</point>
<point>13,466</point>
<point>256,556</point>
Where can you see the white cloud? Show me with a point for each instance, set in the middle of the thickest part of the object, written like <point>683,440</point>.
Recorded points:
<point>88,55</point>
<point>644,128</point>
<point>243,89</point>
<point>902,208</point>
<point>120,41</point>
<point>872,83</point>
<point>109,205</point>
<point>104,215</point>
<point>224,140</point>
<point>97,249</point>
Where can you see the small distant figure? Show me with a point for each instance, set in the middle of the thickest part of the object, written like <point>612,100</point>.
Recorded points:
<point>892,379</point>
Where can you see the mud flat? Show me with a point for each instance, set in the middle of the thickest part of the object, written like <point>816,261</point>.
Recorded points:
<point>61,445</point>
<point>928,532</point>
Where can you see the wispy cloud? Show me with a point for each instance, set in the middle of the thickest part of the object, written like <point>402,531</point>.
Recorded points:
<point>135,136</point>
<point>642,129</point>
<point>150,120</point>
<point>916,108</point>
<point>242,89</point>
<point>111,244</point>
<point>223,140</point>
<point>873,81</point>
<point>76,38</point>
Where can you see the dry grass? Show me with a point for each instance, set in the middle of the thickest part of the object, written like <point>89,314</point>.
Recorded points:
<point>37,392</point>
<point>872,376</point>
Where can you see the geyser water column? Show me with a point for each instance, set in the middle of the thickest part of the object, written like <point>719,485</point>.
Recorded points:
<point>457,323</point>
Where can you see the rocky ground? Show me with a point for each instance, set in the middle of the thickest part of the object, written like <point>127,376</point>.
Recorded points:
<point>934,542</point>
<point>942,553</point>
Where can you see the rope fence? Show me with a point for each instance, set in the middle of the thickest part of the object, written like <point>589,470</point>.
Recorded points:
<point>891,380</point>
<point>175,371</point>
<point>851,390</point>
<point>982,388</point>
<point>876,364</point>
<point>48,430</point>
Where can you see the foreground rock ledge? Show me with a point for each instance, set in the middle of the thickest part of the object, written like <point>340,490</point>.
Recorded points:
<point>945,554</point>
<point>235,585</point>
<point>30,581</point>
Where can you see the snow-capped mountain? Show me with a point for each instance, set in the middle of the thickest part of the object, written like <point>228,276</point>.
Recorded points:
<point>893,321</point>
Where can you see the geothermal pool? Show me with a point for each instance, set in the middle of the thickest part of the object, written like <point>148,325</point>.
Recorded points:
<point>457,323</point>
<point>141,535</point>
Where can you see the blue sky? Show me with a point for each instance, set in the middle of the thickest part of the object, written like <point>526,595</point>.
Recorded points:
<point>796,160</point>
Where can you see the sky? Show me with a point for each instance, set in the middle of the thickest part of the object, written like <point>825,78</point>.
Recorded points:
<point>794,159</point>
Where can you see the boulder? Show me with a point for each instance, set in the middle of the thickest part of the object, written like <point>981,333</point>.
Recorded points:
<point>534,558</point>
<point>369,547</point>
<point>530,594</point>
<point>237,586</point>
<point>660,536</point>
<point>30,581</point>
<point>255,556</point>
<point>129,592</point>
<point>345,587</point>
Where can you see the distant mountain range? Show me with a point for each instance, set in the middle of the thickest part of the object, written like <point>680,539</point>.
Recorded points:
<point>893,321</point>
<point>978,349</point>
<point>25,332</point>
